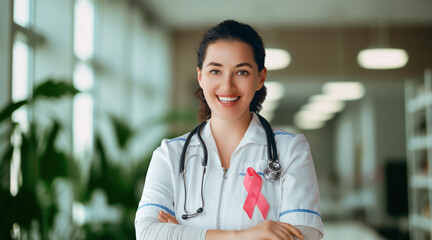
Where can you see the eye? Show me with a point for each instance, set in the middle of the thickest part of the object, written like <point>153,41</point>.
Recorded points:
<point>243,73</point>
<point>214,72</point>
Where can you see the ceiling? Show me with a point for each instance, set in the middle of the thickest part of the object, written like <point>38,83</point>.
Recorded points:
<point>187,14</point>
<point>318,31</point>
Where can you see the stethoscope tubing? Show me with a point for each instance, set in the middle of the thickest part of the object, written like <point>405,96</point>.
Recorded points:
<point>271,173</point>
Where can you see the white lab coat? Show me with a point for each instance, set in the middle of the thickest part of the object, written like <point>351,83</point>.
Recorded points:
<point>293,199</point>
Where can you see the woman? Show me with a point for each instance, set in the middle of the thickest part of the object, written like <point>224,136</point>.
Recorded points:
<point>230,198</point>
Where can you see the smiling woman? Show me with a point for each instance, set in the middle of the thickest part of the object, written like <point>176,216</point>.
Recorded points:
<point>229,79</point>
<point>243,189</point>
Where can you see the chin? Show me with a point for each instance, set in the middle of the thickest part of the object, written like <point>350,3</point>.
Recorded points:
<point>232,115</point>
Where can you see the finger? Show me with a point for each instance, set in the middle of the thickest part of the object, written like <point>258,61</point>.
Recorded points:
<point>292,230</point>
<point>172,221</point>
<point>162,217</point>
<point>170,218</point>
<point>167,215</point>
<point>283,232</point>
<point>296,232</point>
<point>277,231</point>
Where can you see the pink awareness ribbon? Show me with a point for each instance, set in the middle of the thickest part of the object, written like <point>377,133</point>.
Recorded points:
<point>253,182</point>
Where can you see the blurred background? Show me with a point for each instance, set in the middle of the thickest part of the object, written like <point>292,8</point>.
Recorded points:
<point>88,88</point>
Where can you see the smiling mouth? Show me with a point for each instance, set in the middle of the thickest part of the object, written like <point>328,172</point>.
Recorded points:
<point>228,99</point>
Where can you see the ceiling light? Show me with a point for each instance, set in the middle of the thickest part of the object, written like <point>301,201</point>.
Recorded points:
<point>344,91</point>
<point>301,121</point>
<point>325,106</point>
<point>334,104</point>
<point>314,116</point>
<point>382,58</point>
<point>277,58</point>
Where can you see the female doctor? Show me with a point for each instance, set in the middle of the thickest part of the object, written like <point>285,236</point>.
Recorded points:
<point>232,177</point>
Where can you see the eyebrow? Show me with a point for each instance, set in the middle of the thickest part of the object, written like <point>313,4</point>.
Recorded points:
<point>238,65</point>
<point>244,64</point>
<point>214,64</point>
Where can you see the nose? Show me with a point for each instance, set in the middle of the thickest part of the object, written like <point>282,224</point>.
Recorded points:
<point>228,81</point>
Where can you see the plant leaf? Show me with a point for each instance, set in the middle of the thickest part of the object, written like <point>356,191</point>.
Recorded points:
<point>54,89</point>
<point>123,131</point>
<point>10,108</point>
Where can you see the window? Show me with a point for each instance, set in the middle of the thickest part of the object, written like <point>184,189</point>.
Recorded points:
<point>21,65</point>
<point>83,79</point>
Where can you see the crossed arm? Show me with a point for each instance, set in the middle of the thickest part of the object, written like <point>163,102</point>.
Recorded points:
<point>265,230</point>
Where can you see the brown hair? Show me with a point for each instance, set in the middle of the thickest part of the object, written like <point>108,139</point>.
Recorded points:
<point>232,30</point>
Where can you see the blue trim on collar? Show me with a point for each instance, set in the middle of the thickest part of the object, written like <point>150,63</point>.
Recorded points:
<point>176,139</point>
<point>158,205</point>
<point>244,174</point>
<point>284,133</point>
<point>299,210</point>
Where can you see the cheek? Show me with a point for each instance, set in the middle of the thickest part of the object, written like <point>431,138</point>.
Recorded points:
<point>251,86</point>
<point>207,88</point>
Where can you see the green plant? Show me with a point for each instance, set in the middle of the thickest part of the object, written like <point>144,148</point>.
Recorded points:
<point>40,162</point>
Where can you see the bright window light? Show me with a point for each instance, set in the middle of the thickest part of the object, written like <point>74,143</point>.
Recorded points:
<point>79,213</point>
<point>21,117</point>
<point>83,77</point>
<point>344,91</point>
<point>20,75</point>
<point>20,80</point>
<point>382,58</point>
<point>15,165</point>
<point>277,58</point>
<point>83,126</point>
<point>84,29</point>
<point>21,13</point>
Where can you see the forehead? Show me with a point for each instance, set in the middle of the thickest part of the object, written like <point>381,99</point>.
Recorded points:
<point>229,53</point>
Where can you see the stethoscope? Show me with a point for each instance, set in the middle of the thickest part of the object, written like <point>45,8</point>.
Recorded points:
<point>271,173</point>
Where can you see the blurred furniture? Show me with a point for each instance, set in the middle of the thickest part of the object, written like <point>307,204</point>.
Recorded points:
<point>349,230</point>
<point>418,108</point>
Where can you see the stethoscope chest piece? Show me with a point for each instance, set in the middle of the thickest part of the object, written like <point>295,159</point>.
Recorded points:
<point>272,172</point>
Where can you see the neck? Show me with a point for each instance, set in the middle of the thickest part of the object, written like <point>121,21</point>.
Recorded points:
<point>233,129</point>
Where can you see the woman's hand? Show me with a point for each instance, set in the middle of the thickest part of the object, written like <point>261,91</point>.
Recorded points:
<point>167,218</point>
<point>271,230</point>
<point>268,230</point>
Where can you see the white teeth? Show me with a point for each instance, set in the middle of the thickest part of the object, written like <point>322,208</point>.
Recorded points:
<point>228,99</point>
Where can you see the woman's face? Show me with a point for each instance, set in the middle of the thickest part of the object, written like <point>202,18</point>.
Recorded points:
<point>229,78</point>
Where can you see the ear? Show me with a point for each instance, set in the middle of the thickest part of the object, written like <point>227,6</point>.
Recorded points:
<point>199,73</point>
<point>261,78</point>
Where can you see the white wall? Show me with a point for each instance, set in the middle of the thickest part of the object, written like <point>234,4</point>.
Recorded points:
<point>5,50</point>
<point>5,60</point>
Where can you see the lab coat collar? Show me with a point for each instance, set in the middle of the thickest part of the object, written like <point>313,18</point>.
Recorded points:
<point>254,134</point>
